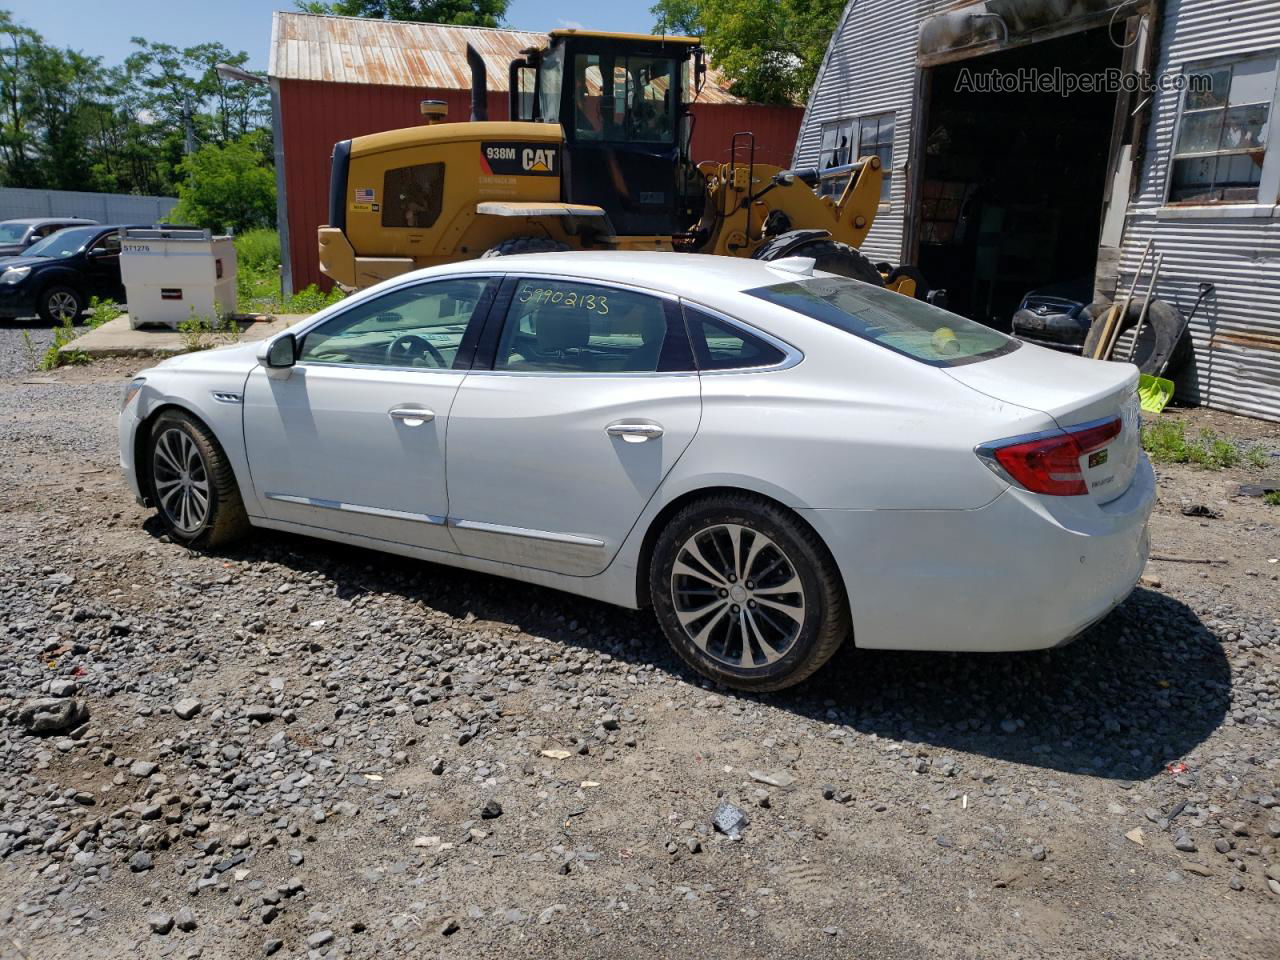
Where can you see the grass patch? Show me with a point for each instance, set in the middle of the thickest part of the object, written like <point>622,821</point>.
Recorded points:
<point>1272,499</point>
<point>258,278</point>
<point>1166,441</point>
<point>201,332</point>
<point>101,311</point>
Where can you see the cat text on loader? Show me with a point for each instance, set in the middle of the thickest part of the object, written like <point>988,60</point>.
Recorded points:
<point>594,157</point>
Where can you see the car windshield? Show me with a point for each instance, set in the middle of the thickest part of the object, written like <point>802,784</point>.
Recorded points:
<point>62,244</point>
<point>902,324</point>
<point>13,232</point>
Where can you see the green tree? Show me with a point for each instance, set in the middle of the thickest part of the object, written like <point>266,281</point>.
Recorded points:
<point>231,186</point>
<point>769,50</point>
<point>464,13</point>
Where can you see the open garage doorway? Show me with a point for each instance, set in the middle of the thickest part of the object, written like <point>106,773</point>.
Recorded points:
<point>1012,188</point>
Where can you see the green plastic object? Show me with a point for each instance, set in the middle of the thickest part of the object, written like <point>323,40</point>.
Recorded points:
<point>1154,393</point>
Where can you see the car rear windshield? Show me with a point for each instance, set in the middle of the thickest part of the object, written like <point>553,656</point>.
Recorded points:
<point>13,232</point>
<point>904,325</point>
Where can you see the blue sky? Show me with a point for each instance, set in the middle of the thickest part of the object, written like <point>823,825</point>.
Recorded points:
<point>103,27</point>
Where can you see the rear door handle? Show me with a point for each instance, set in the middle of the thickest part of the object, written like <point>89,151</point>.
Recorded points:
<point>411,416</point>
<point>634,432</point>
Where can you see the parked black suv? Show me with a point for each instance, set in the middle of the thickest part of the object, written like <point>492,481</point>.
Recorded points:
<point>57,276</point>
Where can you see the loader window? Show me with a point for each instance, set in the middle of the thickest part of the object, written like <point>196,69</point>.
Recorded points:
<point>624,99</point>
<point>412,196</point>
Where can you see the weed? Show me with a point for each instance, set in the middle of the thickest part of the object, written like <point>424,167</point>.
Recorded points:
<point>258,278</point>
<point>197,332</point>
<point>33,352</point>
<point>53,356</point>
<point>1272,499</point>
<point>101,311</point>
<point>1166,441</point>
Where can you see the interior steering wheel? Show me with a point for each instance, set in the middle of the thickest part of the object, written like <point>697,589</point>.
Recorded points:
<point>409,347</point>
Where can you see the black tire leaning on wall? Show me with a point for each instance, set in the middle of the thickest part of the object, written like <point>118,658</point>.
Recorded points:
<point>1162,344</point>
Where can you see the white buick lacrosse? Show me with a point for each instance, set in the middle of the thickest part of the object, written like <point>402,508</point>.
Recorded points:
<point>775,460</point>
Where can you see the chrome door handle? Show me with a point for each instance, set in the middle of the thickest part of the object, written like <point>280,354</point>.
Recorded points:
<point>634,432</point>
<point>410,416</point>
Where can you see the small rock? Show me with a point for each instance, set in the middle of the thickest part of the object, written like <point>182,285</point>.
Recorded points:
<point>491,810</point>
<point>1222,845</point>
<point>187,708</point>
<point>773,778</point>
<point>140,862</point>
<point>319,939</point>
<point>160,923</point>
<point>142,768</point>
<point>1184,843</point>
<point>52,715</point>
<point>186,920</point>
<point>1038,853</point>
<point>729,820</point>
<point>271,946</point>
<point>449,927</point>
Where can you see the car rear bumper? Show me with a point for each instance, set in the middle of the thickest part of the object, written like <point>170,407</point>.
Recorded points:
<point>1024,572</point>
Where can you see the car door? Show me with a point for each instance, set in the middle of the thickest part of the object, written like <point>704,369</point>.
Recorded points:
<point>102,268</point>
<point>353,439</point>
<point>586,403</point>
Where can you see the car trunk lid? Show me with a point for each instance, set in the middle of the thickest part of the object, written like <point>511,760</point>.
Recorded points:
<point>1075,392</point>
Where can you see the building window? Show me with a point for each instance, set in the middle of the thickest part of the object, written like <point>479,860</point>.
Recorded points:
<point>836,150</point>
<point>1220,154</point>
<point>844,141</point>
<point>876,137</point>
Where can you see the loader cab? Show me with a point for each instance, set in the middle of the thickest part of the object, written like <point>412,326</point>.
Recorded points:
<point>622,102</point>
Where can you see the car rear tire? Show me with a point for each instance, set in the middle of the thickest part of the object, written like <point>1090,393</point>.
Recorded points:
<point>192,483</point>
<point>747,593</point>
<point>59,303</point>
<point>518,245</point>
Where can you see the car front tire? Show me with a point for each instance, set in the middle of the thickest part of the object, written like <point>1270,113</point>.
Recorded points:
<point>59,303</point>
<point>192,483</point>
<point>747,593</point>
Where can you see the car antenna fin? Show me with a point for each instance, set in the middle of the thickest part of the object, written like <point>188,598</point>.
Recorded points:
<point>801,266</point>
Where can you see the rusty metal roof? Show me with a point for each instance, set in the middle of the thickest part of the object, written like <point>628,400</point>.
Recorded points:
<point>394,53</point>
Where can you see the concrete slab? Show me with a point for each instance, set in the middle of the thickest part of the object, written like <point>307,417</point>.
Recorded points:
<point>117,339</point>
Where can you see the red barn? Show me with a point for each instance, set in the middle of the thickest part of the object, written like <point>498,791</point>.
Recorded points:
<point>333,78</point>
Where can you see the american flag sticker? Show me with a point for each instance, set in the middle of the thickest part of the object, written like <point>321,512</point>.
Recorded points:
<point>364,195</point>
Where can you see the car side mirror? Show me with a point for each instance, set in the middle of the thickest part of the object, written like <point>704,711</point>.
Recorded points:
<point>280,353</point>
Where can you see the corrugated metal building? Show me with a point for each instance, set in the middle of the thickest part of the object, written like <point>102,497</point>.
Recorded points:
<point>333,78</point>
<point>998,188</point>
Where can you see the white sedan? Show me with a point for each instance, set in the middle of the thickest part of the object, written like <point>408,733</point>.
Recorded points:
<point>774,460</point>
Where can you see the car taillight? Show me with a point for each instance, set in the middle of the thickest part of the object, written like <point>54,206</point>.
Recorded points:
<point>1050,463</point>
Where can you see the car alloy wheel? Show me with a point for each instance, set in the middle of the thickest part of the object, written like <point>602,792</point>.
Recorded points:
<point>737,596</point>
<point>63,306</point>
<point>181,480</point>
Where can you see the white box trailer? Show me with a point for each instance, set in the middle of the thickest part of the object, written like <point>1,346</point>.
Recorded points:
<point>171,274</point>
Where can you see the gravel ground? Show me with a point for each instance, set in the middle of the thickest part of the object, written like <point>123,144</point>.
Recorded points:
<point>305,750</point>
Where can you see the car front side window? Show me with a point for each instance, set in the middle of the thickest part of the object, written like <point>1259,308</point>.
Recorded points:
<point>416,326</point>
<point>562,326</point>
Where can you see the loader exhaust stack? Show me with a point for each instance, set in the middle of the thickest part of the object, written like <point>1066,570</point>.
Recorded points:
<point>479,85</point>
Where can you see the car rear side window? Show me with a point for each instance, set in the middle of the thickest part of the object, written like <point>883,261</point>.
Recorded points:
<point>718,345</point>
<point>560,326</point>
<point>902,324</point>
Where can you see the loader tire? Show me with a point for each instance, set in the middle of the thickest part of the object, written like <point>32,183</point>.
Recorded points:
<point>841,259</point>
<point>518,245</point>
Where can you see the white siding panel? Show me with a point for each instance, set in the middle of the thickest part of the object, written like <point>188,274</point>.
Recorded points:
<point>870,67</point>
<point>1236,334</point>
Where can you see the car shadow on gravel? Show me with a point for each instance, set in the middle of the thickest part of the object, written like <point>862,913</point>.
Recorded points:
<point>1135,693</point>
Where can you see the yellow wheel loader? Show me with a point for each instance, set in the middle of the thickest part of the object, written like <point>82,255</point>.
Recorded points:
<point>595,156</point>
